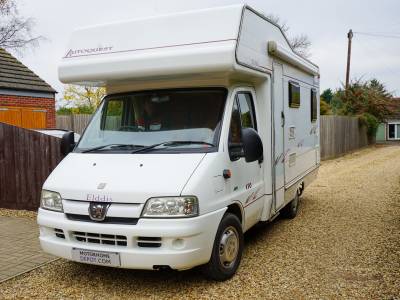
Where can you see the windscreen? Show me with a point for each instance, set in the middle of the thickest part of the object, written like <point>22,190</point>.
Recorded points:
<point>148,118</point>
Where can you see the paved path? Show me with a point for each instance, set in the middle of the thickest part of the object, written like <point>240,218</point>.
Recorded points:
<point>19,247</point>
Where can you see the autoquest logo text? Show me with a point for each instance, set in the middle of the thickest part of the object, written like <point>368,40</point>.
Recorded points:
<point>88,51</point>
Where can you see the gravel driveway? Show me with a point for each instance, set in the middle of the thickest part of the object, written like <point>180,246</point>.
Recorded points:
<point>345,243</point>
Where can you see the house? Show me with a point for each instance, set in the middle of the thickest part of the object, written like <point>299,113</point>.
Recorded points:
<point>390,130</point>
<point>26,100</point>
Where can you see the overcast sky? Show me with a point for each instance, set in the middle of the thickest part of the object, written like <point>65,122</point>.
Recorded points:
<point>325,22</point>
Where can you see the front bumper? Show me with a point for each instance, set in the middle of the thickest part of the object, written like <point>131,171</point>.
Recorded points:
<point>185,243</point>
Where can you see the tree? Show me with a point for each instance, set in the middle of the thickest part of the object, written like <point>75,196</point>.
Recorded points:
<point>84,99</point>
<point>300,43</point>
<point>15,30</point>
<point>369,100</point>
<point>327,96</point>
<point>324,108</point>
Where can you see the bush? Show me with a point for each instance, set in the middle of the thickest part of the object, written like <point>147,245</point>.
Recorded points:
<point>371,122</point>
<point>325,108</point>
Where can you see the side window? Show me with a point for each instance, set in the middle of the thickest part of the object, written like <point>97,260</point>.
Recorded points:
<point>294,94</point>
<point>247,113</point>
<point>314,104</point>
<point>113,115</point>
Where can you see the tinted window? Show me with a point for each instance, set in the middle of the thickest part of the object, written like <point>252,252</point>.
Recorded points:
<point>294,94</point>
<point>314,105</point>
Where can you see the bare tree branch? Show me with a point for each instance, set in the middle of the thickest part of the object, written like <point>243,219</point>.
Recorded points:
<point>15,31</point>
<point>300,43</point>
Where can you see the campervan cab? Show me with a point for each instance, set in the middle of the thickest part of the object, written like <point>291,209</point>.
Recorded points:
<point>210,125</point>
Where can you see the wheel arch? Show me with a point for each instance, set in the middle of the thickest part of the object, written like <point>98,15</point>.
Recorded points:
<point>236,208</point>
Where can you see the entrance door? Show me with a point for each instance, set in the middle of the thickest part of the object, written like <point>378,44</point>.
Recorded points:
<point>278,137</point>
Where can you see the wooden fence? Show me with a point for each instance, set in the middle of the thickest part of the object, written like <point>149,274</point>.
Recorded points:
<point>340,135</point>
<point>26,159</point>
<point>76,123</point>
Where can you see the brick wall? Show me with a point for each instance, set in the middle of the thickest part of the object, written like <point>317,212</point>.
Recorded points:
<point>23,101</point>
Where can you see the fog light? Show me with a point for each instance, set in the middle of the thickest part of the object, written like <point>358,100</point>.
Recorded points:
<point>178,243</point>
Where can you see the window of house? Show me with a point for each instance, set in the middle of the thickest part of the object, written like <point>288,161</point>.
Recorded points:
<point>294,94</point>
<point>394,131</point>
<point>314,103</point>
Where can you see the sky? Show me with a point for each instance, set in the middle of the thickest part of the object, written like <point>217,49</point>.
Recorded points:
<point>326,23</point>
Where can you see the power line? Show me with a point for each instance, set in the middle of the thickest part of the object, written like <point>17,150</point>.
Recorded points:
<point>393,36</point>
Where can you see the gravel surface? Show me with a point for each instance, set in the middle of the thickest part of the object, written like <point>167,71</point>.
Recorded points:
<point>345,243</point>
<point>18,213</point>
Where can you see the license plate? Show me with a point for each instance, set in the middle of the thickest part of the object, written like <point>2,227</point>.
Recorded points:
<point>111,259</point>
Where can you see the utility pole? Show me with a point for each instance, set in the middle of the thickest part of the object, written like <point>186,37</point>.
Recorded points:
<point>349,37</point>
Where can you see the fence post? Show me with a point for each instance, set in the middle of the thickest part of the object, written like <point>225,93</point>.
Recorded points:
<point>72,122</point>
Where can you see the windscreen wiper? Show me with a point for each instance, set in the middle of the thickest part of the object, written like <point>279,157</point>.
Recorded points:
<point>112,146</point>
<point>171,144</point>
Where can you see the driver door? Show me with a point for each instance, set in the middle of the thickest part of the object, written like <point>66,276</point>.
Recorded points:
<point>247,178</point>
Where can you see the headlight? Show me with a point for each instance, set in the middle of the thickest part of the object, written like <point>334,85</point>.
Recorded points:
<point>51,201</point>
<point>171,207</point>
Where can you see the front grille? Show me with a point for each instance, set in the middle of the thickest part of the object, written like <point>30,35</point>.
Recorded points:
<point>99,238</point>
<point>149,242</point>
<point>107,220</point>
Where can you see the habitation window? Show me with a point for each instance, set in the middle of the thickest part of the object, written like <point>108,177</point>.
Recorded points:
<point>314,105</point>
<point>294,94</point>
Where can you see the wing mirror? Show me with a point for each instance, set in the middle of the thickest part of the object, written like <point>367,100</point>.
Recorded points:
<point>252,145</point>
<point>67,142</point>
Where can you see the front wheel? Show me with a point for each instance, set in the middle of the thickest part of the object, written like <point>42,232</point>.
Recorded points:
<point>227,250</point>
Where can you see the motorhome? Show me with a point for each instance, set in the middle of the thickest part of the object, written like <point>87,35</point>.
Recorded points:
<point>210,125</point>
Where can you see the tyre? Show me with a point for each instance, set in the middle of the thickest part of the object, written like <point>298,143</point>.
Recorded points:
<point>227,250</point>
<point>291,209</point>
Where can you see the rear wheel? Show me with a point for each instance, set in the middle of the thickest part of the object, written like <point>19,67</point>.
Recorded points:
<point>227,250</point>
<point>291,209</point>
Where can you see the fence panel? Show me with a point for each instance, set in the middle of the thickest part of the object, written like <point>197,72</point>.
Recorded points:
<point>76,123</point>
<point>26,159</point>
<point>340,135</point>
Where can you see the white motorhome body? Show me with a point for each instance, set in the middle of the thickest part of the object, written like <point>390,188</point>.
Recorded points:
<point>228,57</point>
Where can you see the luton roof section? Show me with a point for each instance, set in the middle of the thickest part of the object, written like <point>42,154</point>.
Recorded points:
<point>222,40</point>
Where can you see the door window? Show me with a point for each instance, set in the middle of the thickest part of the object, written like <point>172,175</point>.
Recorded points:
<point>247,114</point>
<point>243,116</point>
<point>294,94</point>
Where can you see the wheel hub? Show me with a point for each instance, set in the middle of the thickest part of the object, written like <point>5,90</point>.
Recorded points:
<point>229,247</point>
